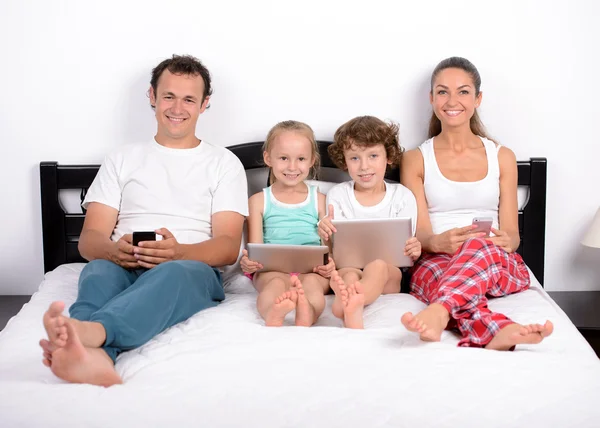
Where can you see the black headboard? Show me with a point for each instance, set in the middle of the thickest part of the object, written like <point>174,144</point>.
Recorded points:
<point>61,230</point>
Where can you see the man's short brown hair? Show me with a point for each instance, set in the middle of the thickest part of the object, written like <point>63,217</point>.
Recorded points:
<point>186,65</point>
<point>366,131</point>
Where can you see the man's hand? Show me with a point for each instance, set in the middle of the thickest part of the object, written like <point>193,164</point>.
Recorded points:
<point>249,266</point>
<point>325,227</point>
<point>151,253</point>
<point>413,248</point>
<point>501,239</point>
<point>326,270</point>
<point>122,253</point>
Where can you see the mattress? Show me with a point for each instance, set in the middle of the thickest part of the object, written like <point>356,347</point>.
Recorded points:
<point>224,368</point>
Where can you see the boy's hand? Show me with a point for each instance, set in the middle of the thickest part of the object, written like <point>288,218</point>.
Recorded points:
<point>325,227</point>
<point>153,253</point>
<point>122,253</point>
<point>326,270</point>
<point>248,266</point>
<point>413,248</point>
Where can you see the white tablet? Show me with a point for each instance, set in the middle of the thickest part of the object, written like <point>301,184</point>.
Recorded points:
<point>358,242</point>
<point>288,258</point>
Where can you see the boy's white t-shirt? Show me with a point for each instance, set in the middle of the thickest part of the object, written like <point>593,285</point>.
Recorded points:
<point>153,186</point>
<point>397,202</point>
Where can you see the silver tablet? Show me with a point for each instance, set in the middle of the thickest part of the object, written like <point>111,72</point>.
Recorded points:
<point>288,258</point>
<point>358,242</point>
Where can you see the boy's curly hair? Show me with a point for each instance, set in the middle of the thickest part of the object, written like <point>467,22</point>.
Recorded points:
<point>366,131</point>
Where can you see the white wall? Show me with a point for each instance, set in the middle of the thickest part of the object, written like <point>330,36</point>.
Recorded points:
<point>74,76</point>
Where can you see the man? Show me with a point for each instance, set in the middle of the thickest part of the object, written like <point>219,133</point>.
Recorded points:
<point>191,193</point>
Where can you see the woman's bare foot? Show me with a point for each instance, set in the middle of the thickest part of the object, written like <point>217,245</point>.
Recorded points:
<point>283,305</point>
<point>354,305</point>
<point>305,313</point>
<point>77,364</point>
<point>54,323</point>
<point>429,323</point>
<point>517,334</point>
<point>338,286</point>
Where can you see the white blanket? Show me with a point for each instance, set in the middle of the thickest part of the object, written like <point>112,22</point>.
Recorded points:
<point>224,368</point>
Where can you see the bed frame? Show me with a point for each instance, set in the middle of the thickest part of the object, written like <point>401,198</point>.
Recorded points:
<point>61,230</point>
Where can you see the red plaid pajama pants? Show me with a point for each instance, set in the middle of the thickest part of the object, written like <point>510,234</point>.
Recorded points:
<point>461,283</point>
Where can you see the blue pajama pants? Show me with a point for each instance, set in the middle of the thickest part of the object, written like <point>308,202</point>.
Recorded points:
<point>136,305</point>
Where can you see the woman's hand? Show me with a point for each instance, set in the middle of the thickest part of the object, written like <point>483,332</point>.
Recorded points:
<point>451,240</point>
<point>249,266</point>
<point>502,240</point>
<point>326,270</point>
<point>413,248</point>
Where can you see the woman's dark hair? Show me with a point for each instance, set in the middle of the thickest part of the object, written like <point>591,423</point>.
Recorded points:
<point>477,128</point>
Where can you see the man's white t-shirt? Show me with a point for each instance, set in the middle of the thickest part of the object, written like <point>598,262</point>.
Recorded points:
<point>153,186</point>
<point>397,202</point>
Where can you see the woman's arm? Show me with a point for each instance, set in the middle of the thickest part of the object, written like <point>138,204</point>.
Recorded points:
<point>508,210</point>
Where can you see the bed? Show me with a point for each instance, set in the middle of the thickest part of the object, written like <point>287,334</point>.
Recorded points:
<point>224,368</point>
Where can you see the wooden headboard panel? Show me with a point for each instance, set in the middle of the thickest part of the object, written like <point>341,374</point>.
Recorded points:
<point>61,230</point>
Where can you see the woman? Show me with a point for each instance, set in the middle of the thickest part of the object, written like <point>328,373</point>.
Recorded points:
<point>459,174</point>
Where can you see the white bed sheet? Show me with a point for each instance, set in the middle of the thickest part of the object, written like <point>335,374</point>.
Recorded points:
<point>223,368</point>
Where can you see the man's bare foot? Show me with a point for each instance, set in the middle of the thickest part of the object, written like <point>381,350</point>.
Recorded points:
<point>516,334</point>
<point>47,349</point>
<point>305,313</point>
<point>354,305</point>
<point>77,364</point>
<point>429,323</point>
<point>54,323</point>
<point>338,286</point>
<point>283,305</point>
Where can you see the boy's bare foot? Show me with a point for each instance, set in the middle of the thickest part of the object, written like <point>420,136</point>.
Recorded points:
<point>353,308</point>
<point>429,323</point>
<point>47,349</point>
<point>54,323</point>
<point>516,334</point>
<point>338,286</point>
<point>305,313</point>
<point>77,364</point>
<point>283,305</point>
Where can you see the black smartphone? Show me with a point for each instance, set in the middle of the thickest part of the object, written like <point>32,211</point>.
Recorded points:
<point>143,236</point>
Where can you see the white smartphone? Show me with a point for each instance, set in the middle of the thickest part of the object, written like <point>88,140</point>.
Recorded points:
<point>484,224</point>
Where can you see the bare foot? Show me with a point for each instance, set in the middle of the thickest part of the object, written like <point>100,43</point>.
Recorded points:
<point>338,286</point>
<point>353,308</point>
<point>305,313</point>
<point>516,334</point>
<point>283,305</point>
<point>77,364</point>
<point>429,323</point>
<point>47,349</point>
<point>54,323</point>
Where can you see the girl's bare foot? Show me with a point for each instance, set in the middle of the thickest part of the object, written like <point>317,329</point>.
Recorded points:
<point>516,334</point>
<point>338,286</point>
<point>77,364</point>
<point>305,313</point>
<point>354,305</point>
<point>283,305</point>
<point>429,323</point>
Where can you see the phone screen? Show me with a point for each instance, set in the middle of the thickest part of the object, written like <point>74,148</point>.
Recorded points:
<point>143,236</point>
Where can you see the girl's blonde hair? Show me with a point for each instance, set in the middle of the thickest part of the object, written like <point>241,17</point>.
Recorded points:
<point>304,130</point>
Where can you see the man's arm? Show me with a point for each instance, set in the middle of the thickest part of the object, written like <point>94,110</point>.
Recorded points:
<point>95,242</point>
<point>224,247</point>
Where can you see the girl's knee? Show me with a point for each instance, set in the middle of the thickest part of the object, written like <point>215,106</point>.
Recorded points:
<point>476,243</point>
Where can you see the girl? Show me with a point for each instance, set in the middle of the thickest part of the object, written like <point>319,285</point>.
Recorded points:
<point>287,212</point>
<point>365,147</point>
<point>456,175</point>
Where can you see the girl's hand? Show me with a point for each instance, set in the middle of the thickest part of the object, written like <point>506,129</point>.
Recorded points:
<point>326,270</point>
<point>501,239</point>
<point>413,248</point>
<point>325,228</point>
<point>451,240</point>
<point>248,266</point>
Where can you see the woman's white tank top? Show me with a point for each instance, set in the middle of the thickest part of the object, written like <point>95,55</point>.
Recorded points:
<point>455,203</point>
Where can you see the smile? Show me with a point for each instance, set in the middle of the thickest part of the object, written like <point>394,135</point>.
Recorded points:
<point>453,113</point>
<point>176,119</point>
<point>291,176</point>
<point>366,177</point>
